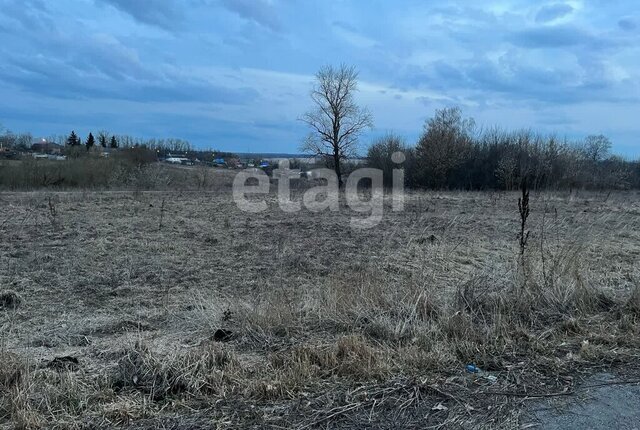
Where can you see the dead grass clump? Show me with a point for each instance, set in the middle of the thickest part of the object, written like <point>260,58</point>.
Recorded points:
<point>64,396</point>
<point>16,408</point>
<point>459,326</point>
<point>43,398</point>
<point>629,323</point>
<point>14,405</point>
<point>434,355</point>
<point>590,300</point>
<point>595,351</point>
<point>208,369</point>
<point>480,297</point>
<point>533,296</point>
<point>380,328</point>
<point>384,306</point>
<point>139,368</point>
<point>196,372</point>
<point>320,357</point>
<point>426,308</point>
<point>632,305</point>
<point>356,358</point>
<point>12,368</point>
<point>498,320</point>
<point>351,357</point>
<point>571,326</point>
<point>272,317</point>
<point>10,299</point>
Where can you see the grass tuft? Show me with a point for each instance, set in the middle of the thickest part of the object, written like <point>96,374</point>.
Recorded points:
<point>10,299</point>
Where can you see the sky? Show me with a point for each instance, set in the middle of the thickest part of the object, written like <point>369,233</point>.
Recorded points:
<point>235,75</point>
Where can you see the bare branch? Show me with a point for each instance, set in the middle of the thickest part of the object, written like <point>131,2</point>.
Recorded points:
<point>337,121</point>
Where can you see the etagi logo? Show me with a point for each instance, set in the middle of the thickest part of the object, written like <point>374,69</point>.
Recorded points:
<point>326,195</point>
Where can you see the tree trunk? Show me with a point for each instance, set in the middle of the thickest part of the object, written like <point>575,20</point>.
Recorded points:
<point>336,168</point>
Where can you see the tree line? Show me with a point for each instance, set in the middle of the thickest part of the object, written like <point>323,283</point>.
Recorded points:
<point>104,139</point>
<point>452,153</point>
<point>124,141</point>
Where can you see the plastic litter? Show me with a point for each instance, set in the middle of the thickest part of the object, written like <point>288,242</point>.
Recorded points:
<point>472,368</point>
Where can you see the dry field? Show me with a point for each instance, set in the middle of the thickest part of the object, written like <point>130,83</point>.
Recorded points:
<point>119,310</point>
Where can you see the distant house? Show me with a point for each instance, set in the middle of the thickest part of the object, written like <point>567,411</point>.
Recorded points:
<point>44,147</point>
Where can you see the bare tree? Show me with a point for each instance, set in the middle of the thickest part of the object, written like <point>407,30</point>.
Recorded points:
<point>380,155</point>
<point>596,148</point>
<point>445,143</point>
<point>336,121</point>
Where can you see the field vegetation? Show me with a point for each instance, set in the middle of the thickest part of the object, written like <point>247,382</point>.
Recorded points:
<point>172,308</point>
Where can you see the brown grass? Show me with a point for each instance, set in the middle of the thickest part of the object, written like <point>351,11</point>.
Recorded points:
<point>330,326</point>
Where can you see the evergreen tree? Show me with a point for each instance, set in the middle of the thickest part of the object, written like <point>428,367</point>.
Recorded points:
<point>73,140</point>
<point>114,142</point>
<point>90,141</point>
<point>102,138</point>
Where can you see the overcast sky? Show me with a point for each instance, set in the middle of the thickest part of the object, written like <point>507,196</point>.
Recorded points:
<point>236,74</point>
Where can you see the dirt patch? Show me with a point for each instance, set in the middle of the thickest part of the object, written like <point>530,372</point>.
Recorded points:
<point>602,401</point>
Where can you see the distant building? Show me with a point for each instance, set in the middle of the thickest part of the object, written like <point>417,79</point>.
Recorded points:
<point>45,147</point>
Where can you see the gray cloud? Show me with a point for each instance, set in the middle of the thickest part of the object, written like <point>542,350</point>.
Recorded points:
<point>52,77</point>
<point>258,11</point>
<point>515,81</point>
<point>98,66</point>
<point>550,86</point>
<point>553,12</point>
<point>165,14</point>
<point>30,14</point>
<point>551,37</point>
<point>627,24</point>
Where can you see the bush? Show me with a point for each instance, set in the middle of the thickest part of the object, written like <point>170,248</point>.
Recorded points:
<point>379,155</point>
<point>139,156</point>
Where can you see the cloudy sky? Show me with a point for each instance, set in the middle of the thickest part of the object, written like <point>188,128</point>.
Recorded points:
<point>236,74</point>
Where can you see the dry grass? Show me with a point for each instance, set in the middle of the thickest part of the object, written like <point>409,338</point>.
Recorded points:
<point>328,327</point>
<point>113,173</point>
<point>9,299</point>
